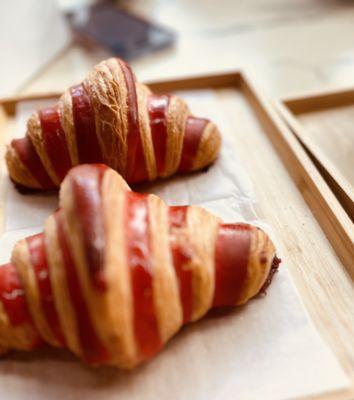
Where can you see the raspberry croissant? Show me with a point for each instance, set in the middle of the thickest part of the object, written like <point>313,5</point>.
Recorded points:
<point>117,273</point>
<point>112,119</point>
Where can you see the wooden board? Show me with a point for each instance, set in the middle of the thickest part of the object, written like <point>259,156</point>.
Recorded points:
<point>296,205</point>
<point>323,122</point>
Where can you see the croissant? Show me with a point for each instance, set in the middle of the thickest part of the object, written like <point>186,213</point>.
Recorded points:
<point>110,118</point>
<point>116,274</point>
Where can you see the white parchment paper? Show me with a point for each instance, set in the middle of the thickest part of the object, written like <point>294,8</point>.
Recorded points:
<point>267,349</point>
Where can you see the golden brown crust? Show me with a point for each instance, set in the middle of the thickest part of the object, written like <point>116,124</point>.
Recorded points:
<point>177,115</point>
<point>209,147</point>
<point>165,286</point>
<point>145,131</point>
<point>60,289</point>
<point>67,122</point>
<point>18,171</point>
<point>108,92</point>
<point>14,338</point>
<point>121,332</point>
<point>21,258</point>
<point>202,230</point>
<point>34,132</point>
<point>261,257</point>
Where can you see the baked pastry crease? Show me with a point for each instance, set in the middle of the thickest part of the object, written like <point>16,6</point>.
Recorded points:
<point>111,118</point>
<point>116,274</point>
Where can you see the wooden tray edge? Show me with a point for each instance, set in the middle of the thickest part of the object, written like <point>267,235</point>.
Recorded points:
<point>337,183</point>
<point>316,100</point>
<point>333,219</point>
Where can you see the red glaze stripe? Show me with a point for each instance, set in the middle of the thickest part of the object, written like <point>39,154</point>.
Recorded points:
<point>88,148</point>
<point>141,269</point>
<point>93,350</point>
<point>182,257</point>
<point>193,132</point>
<point>136,168</point>
<point>157,107</point>
<point>231,262</point>
<point>86,189</point>
<point>12,296</point>
<point>30,159</point>
<point>38,259</point>
<point>55,141</point>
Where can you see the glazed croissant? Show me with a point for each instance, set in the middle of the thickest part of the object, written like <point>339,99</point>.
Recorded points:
<point>117,273</point>
<point>112,119</point>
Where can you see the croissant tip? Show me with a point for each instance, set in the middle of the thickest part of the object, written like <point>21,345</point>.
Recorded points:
<point>273,270</point>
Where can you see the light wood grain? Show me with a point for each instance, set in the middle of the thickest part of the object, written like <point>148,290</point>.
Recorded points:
<point>323,123</point>
<point>321,278</point>
<point>331,133</point>
<point>337,395</point>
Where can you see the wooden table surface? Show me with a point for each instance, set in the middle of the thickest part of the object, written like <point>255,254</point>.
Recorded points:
<point>286,46</point>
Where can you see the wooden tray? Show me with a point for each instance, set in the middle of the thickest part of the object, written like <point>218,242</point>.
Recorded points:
<point>323,122</point>
<point>295,205</point>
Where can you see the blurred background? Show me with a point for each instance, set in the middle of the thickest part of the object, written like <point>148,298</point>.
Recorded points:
<point>287,46</point>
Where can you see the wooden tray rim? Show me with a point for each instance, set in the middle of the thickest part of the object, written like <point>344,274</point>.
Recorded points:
<point>320,99</point>
<point>216,80</point>
<point>290,107</point>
